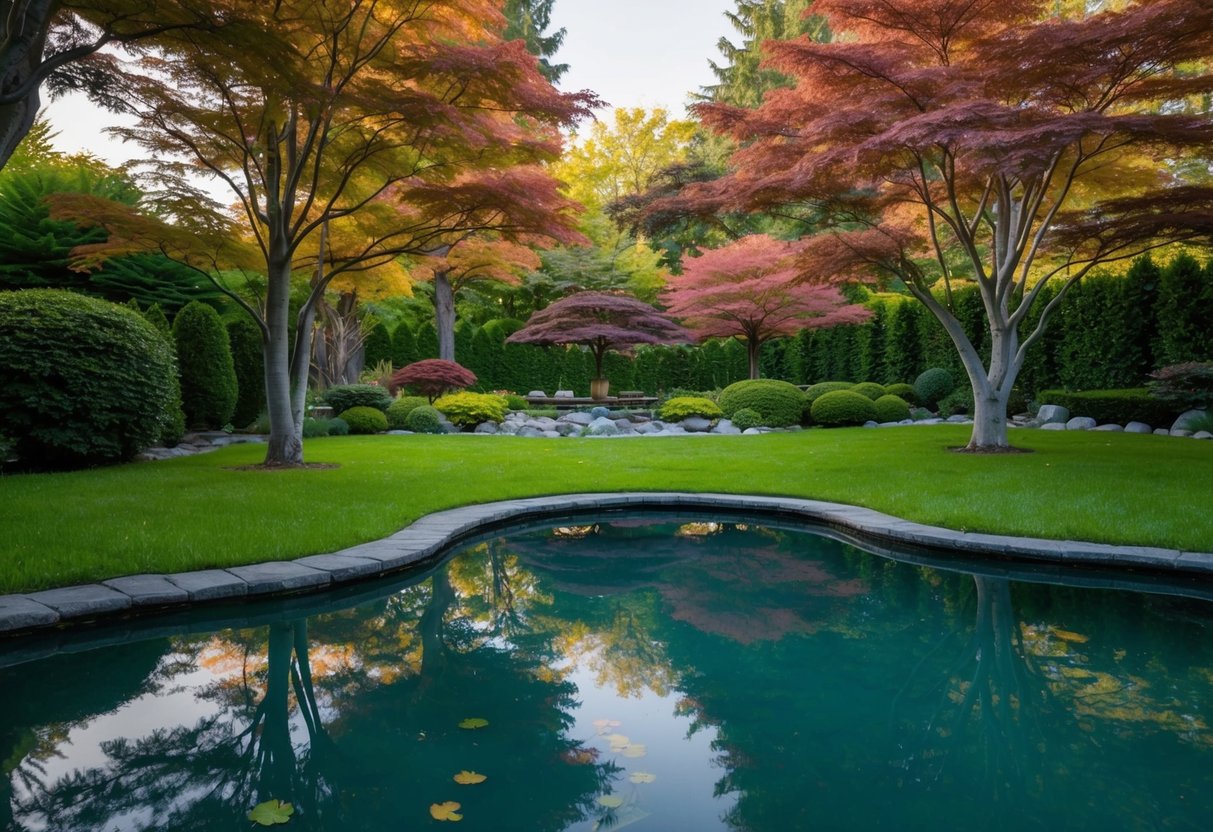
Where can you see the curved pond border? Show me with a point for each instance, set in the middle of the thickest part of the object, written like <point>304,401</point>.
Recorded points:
<point>434,533</point>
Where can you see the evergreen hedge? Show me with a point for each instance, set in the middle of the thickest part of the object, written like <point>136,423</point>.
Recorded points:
<point>208,374</point>
<point>244,336</point>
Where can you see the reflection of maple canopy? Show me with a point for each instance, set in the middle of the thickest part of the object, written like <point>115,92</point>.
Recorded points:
<point>601,322</point>
<point>432,377</point>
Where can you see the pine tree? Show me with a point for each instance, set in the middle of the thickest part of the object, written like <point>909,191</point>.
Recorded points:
<point>528,20</point>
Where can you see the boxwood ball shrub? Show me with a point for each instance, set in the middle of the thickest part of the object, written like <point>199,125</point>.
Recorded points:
<point>208,374</point>
<point>778,402</point>
<point>818,390</point>
<point>870,389</point>
<point>424,419</point>
<point>470,409</point>
<point>399,410</point>
<point>933,385</point>
<point>82,381</point>
<point>890,408</point>
<point>338,427</point>
<point>905,392</point>
<point>684,407</point>
<point>364,419</point>
<point>843,407</point>
<point>342,397</point>
<point>746,418</point>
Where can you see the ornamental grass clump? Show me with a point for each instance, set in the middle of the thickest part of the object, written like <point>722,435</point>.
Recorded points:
<point>780,403</point>
<point>470,409</point>
<point>684,407</point>
<point>842,408</point>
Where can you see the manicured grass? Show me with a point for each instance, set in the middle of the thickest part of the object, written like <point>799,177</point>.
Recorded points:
<point>196,512</point>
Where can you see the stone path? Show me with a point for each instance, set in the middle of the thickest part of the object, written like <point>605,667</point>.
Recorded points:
<point>435,533</point>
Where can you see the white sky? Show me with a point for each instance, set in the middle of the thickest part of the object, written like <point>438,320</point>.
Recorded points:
<point>633,53</point>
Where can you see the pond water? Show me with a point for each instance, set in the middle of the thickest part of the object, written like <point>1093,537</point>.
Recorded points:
<point>643,673</point>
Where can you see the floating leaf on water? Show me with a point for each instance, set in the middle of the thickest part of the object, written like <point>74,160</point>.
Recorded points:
<point>610,801</point>
<point>469,778</point>
<point>445,811</point>
<point>603,725</point>
<point>617,739</point>
<point>271,813</point>
<point>642,777</point>
<point>1066,635</point>
<point>635,751</point>
<point>474,722</point>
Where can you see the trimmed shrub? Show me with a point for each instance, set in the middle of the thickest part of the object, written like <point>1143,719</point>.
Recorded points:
<point>890,408</point>
<point>424,419</point>
<point>174,426</point>
<point>470,409</point>
<point>905,392</point>
<point>338,427</point>
<point>244,336</point>
<point>778,402</point>
<point>870,389</point>
<point>364,420</point>
<point>843,407</point>
<point>313,428</point>
<point>515,402</point>
<point>821,388</point>
<point>745,418</point>
<point>82,381</point>
<point>1186,386</point>
<point>399,410</point>
<point>957,402</point>
<point>343,397</point>
<point>1115,406</point>
<point>933,385</point>
<point>208,374</point>
<point>684,407</point>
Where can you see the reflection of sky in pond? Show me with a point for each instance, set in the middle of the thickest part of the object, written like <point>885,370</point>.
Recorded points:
<point>638,675</point>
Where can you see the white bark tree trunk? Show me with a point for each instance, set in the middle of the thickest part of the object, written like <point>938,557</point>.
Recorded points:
<point>444,315</point>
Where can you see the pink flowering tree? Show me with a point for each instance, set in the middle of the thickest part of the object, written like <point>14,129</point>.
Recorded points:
<point>752,290</point>
<point>432,377</point>
<point>602,322</point>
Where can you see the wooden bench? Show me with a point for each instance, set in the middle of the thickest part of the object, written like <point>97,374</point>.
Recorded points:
<point>578,402</point>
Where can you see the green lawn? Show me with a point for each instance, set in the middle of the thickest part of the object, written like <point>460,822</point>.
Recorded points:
<point>195,512</point>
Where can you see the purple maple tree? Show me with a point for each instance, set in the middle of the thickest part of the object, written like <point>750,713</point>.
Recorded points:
<point>602,322</point>
<point>432,377</point>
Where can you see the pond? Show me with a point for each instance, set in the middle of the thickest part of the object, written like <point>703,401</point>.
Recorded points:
<point>641,672</point>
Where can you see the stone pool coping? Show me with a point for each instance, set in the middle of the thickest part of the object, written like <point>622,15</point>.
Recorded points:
<point>434,533</point>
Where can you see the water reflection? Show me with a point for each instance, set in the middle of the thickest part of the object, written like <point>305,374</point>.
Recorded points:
<point>637,673</point>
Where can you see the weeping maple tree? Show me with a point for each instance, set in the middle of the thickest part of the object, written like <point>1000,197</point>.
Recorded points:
<point>992,140</point>
<point>603,322</point>
<point>754,291</point>
<point>349,134</point>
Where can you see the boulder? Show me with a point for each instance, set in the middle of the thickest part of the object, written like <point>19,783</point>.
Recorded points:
<point>696,424</point>
<point>1050,414</point>
<point>959,419</point>
<point>871,424</point>
<point>1053,426</point>
<point>752,432</point>
<point>726,428</point>
<point>647,428</point>
<point>542,422</point>
<point>1185,418</point>
<point>579,419</point>
<point>1110,428</point>
<point>1180,432</point>
<point>564,394</point>
<point>537,394</point>
<point>1138,427</point>
<point>602,426</point>
<point>624,425</point>
<point>931,421</point>
<point>1161,432</point>
<point>530,433</point>
<point>509,428</point>
<point>1202,434</point>
<point>567,428</point>
<point>486,427</point>
<point>1081,423</point>
<point>601,412</point>
<point>551,434</point>
<point>889,424</point>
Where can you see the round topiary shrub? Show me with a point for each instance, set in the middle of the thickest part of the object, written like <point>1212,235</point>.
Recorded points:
<point>82,381</point>
<point>338,427</point>
<point>364,420</point>
<point>779,403</point>
<point>957,403</point>
<point>818,390</point>
<point>424,419</point>
<point>470,409</point>
<point>399,410</point>
<point>905,392</point>
<point>870,389</point>
<point>891,408</point>
<point>342,397</point>
<point>208,375</point>
<point>933,385</point>
<point>843,407</point>
<point>684,407</point>
<point>746,418</point>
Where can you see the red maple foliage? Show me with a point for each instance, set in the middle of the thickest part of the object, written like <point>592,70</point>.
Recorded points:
<point>432,377</point>
<point>753,290</point>
<point>602,322</point>
<point>995,141</point>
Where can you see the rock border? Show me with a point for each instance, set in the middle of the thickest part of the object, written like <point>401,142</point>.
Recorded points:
<point>433,534</point>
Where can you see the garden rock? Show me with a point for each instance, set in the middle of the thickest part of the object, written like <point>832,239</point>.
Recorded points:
<point>1180,432</point>
<point>726,428</point>
<point>1162,432</point>
<point>1182,423</point>
<point>871,424</point>
<point>567,428</point>
<point>509,428</point>
<point>564,394</point>
<point>1202,434</point>
<point>542,422</point>
<point>1053,426</point>
<point>537,394</point>
<point>1050,414</point>
<point>1081,423</point>
<point>959,419</point>
<point>1110,428</point>
<point>530,432</point>
<point>602,426</point>
<point>579,419</point>
<point>601,412</point>
<point>551,434</point>
<point>647,428</point>
<point>1138,427</point>
<point>696,424</point>
<point>486,427</point>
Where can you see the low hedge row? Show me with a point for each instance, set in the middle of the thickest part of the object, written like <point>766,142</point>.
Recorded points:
<point>1114,406</point>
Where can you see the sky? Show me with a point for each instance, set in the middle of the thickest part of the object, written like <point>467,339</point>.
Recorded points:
<point>633,53</point>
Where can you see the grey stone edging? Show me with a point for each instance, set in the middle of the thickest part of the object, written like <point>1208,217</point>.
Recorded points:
<point>433,533</point>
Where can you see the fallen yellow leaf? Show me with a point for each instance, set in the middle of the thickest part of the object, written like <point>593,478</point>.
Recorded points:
<point>642,777</point>
<point>634,751</point>
<point>445,811</point>
<point>610,801</point>
<point>469,778</point>
<point>474,722</point>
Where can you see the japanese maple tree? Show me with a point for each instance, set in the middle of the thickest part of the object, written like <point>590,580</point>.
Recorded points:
<point>601,321</point>
<point>990,140</point>
<point>432,377</point>
<point>753,290</point>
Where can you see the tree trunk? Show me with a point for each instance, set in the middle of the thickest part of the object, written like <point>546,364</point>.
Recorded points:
<point>286,434</point>
<point>754,351</point>
<point>23,33</point>
<point>444,315</point>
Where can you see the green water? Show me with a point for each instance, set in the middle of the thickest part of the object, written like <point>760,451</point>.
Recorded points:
<point>640,674</point>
